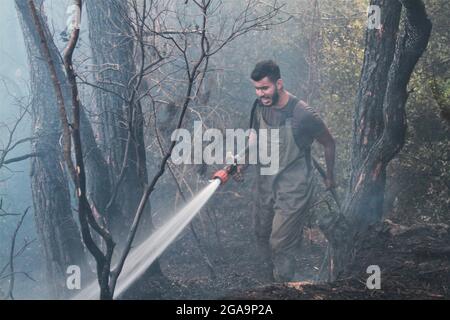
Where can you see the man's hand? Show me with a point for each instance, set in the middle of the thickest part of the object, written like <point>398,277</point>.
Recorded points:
<point>327,141</point>
<point>238,176</point>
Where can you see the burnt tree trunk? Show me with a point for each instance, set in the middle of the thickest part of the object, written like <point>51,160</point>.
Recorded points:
<point>368,119</point>
<point>99,185</point>
<point>391,54</point>
<point>58,233</point>
<point>113,57</point>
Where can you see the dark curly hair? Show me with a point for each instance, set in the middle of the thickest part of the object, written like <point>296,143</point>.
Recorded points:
<point>266,68</point>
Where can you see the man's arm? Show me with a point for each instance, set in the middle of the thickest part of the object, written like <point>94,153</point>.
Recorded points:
<point>310,124</point>
<point>327,141</point>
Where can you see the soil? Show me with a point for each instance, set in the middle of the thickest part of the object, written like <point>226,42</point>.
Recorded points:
<point>414,263</point>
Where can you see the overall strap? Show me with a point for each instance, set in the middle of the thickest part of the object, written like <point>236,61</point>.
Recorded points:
<point>290,109</point>
<point>252,113</point>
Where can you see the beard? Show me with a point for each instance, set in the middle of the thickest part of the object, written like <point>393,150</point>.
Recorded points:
<point>274,99</point>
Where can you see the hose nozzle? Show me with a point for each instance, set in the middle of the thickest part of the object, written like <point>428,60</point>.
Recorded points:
<point>224,174</point>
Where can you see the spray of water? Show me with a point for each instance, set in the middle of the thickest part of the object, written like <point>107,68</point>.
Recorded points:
<point>140,258</point>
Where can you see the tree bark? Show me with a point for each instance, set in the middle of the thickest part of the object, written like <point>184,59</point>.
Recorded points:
<point>368,122</point>
<point>58,233</point>
<point>120,119</point>
<point>379,119</point>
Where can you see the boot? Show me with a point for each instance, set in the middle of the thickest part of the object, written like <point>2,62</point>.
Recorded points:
<point>284,267</point>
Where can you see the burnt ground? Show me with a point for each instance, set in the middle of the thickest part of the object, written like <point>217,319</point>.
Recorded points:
<point>414,263</point>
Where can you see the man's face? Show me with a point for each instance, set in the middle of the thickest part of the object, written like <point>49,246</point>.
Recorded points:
<point>267,91</point>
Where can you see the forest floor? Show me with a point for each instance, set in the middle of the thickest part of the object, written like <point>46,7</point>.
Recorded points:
<point>414,263</point>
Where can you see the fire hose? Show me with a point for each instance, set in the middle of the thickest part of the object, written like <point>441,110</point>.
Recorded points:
<point>224,175</point>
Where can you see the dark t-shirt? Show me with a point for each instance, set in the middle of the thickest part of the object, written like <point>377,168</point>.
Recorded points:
<point>306,123</point>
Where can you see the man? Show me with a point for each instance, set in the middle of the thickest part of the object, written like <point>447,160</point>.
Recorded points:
<point>282,199</point>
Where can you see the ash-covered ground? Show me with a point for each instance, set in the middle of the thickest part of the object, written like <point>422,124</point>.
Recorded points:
<point>223,263</point>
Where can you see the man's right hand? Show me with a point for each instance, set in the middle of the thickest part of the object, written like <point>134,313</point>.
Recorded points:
<point>238,176</point>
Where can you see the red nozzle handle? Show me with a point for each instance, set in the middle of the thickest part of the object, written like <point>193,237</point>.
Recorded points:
<point>222,175</point>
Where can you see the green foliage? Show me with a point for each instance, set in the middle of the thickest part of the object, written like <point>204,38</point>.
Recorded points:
<point>340,62</point>
<point>419,180</point>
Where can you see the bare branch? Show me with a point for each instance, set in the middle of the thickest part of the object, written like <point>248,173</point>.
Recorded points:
<point>11,256</point>
<point>191,74</point>
<point>21,158</point>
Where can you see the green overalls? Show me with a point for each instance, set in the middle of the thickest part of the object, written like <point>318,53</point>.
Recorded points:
<point>282,199</point>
